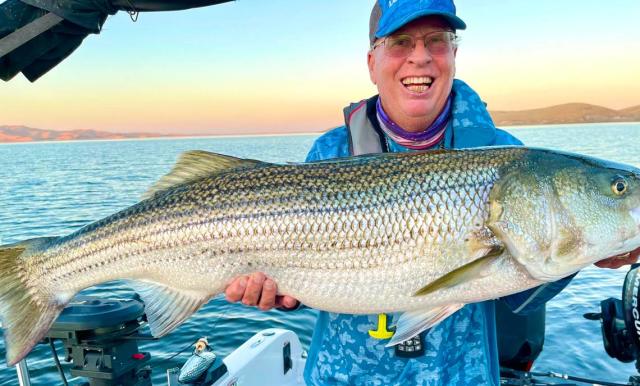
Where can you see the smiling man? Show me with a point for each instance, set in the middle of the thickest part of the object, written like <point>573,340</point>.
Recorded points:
<point>420,106</point>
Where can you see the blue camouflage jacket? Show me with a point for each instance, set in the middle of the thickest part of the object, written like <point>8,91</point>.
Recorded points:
<point>461,350</point>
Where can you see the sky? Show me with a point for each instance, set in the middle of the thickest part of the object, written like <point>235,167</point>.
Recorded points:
<point>257,66</point>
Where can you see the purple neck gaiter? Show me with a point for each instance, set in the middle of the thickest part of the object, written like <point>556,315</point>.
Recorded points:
<point>420,140</point>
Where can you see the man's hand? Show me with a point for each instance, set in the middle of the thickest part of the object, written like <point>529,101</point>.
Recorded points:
<point>257,290</point>
<point>620,260</point>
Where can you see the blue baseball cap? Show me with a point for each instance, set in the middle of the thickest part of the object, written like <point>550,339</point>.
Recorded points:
<point>389,15</point>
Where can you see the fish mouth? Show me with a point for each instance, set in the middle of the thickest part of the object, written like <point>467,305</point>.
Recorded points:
<point>417,84</point>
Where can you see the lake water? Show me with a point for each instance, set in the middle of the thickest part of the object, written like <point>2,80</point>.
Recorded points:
<point>54,188</point>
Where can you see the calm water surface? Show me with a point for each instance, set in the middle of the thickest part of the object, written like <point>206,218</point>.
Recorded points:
<point>52,189</point>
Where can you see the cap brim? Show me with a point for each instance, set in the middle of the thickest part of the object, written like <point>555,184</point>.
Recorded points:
<point>388,28</point>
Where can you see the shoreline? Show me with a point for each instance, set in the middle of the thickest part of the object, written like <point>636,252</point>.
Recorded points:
<point>166,138</point>
<point>567,124</point>
<point>169,137</point>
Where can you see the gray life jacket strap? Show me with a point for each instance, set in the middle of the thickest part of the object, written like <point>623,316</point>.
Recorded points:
<point>365,134</point>
<point>24,34</point>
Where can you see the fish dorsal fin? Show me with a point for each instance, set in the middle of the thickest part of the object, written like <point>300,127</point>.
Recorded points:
<point>195,165</point>
<point>412,323</point>
<point>166,307</point>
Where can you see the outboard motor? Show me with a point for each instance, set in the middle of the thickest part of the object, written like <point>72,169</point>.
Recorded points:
<point>99,336</point>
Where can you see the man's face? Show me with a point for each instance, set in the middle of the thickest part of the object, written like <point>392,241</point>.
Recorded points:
<point>403,82</point>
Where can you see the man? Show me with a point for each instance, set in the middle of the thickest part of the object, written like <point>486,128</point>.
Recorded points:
<point>420,106</point>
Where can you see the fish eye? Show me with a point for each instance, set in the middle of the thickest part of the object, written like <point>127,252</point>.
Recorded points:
<point>619,186</point>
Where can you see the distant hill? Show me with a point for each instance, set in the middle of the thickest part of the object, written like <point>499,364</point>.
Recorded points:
<point>29,134</point>
<point>566,113</point>
<point>632,111</point>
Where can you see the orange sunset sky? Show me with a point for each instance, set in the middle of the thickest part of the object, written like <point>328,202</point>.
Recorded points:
<point>256,66</point>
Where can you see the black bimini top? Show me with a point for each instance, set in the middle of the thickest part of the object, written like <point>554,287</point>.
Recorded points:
<point>36,35</point>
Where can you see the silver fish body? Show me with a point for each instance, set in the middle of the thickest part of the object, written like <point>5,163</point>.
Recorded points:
<point>421,233</point>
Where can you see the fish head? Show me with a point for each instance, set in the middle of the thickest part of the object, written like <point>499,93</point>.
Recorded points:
<point>557,213</point>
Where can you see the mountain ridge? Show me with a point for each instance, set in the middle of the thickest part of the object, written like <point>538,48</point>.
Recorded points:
<point>565,113</point>
<point>557,114</point>
<point>20,133</point>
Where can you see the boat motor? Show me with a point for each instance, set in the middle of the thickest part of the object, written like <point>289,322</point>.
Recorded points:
<point>100,337</point>
<point>621,320</point>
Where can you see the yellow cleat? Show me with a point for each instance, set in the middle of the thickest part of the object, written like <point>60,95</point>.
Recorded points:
<point>382,332</point>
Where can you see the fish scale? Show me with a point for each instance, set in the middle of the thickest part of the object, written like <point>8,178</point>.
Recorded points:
<point>380,233</point>
<point>233,204</point>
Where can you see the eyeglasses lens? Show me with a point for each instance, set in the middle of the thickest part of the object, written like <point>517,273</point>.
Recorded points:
<point>438,43</point>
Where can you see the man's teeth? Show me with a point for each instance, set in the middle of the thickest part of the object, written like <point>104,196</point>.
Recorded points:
<point>417,80</point>
<point>417,83</point>
<point>417,88</point>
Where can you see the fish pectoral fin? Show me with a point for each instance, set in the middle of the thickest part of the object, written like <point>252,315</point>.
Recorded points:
<point>412,323</point>
<point>166,307</point>
<point>195,165</point>
<point>475,269</point>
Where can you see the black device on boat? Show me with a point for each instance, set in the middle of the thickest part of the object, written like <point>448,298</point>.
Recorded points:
<point>519,347</point>
<point>621,320</point>
<point>100,337</point>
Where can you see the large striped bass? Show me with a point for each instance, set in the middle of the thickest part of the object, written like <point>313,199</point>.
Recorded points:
<point>423,233</point>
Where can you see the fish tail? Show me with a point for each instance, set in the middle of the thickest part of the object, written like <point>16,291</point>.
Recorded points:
<point>27,310</point>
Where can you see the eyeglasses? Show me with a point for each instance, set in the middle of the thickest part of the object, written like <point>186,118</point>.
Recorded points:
<point>401,45</point>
